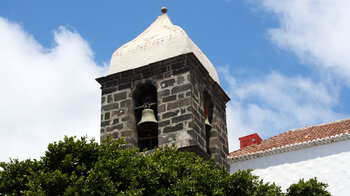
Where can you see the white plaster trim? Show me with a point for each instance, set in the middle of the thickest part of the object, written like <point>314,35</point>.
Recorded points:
<point>291,147</point>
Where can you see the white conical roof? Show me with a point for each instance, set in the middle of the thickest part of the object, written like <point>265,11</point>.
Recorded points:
<point>160,41</point>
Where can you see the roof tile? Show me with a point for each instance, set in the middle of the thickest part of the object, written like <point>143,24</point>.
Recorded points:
<point>294,136</point>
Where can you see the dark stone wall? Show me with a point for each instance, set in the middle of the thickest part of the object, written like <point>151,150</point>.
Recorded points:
<point>202,82</point>
<point>180,83</point>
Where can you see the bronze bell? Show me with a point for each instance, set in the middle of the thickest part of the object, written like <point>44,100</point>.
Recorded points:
<point>148,118</point>
<point>206,122</point>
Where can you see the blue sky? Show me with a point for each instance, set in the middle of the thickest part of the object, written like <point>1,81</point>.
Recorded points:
<point>285,64</point>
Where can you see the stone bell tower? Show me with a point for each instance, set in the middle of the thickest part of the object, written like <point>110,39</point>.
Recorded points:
<point>164,75</point>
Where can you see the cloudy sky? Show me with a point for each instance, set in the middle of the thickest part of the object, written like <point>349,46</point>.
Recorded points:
<point>284,64</point>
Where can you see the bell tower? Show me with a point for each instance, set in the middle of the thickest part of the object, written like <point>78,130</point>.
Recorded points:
<point>162,90</point>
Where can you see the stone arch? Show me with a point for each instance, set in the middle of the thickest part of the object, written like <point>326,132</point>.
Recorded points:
<point>145,96</point>
<point>208,107</point>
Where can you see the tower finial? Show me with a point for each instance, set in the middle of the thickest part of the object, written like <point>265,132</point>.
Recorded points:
<point>164,10</point>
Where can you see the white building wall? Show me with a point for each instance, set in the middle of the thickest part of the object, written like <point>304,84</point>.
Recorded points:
<point>330,163</point>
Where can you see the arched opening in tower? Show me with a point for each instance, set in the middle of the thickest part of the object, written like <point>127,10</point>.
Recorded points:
<point>145,101</point>
<point>208,110</point>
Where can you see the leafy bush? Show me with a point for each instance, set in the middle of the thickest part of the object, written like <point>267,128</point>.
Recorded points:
<point>80,167</point>
<point>309,188</point>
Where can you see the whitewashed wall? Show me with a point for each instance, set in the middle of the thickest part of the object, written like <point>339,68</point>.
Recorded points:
<point>330,163</point>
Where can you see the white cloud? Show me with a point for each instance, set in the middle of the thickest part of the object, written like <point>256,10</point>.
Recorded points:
<point>274,103</point>
<point>46,93</point>
<point>317,31</point>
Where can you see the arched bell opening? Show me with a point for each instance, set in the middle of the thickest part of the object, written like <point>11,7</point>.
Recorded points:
<point>208,111</point>
<point>145,101</point>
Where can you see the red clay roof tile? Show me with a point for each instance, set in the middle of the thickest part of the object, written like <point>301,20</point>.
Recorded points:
<point>294,136</point>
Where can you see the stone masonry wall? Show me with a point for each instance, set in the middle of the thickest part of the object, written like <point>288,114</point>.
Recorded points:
<point>202,82</point>
<point>180,82</point>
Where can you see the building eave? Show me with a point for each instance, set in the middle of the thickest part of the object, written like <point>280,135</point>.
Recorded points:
<point>290,147</point>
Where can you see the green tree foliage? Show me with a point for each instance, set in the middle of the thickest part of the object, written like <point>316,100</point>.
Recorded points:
<point>80,167</point>
<point>309,188</point>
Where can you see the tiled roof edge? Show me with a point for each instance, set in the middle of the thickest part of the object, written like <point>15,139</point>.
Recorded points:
<point>290,147</point>
<point>319,125</point>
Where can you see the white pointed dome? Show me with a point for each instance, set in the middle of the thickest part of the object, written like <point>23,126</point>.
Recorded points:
<point>160,41</point>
